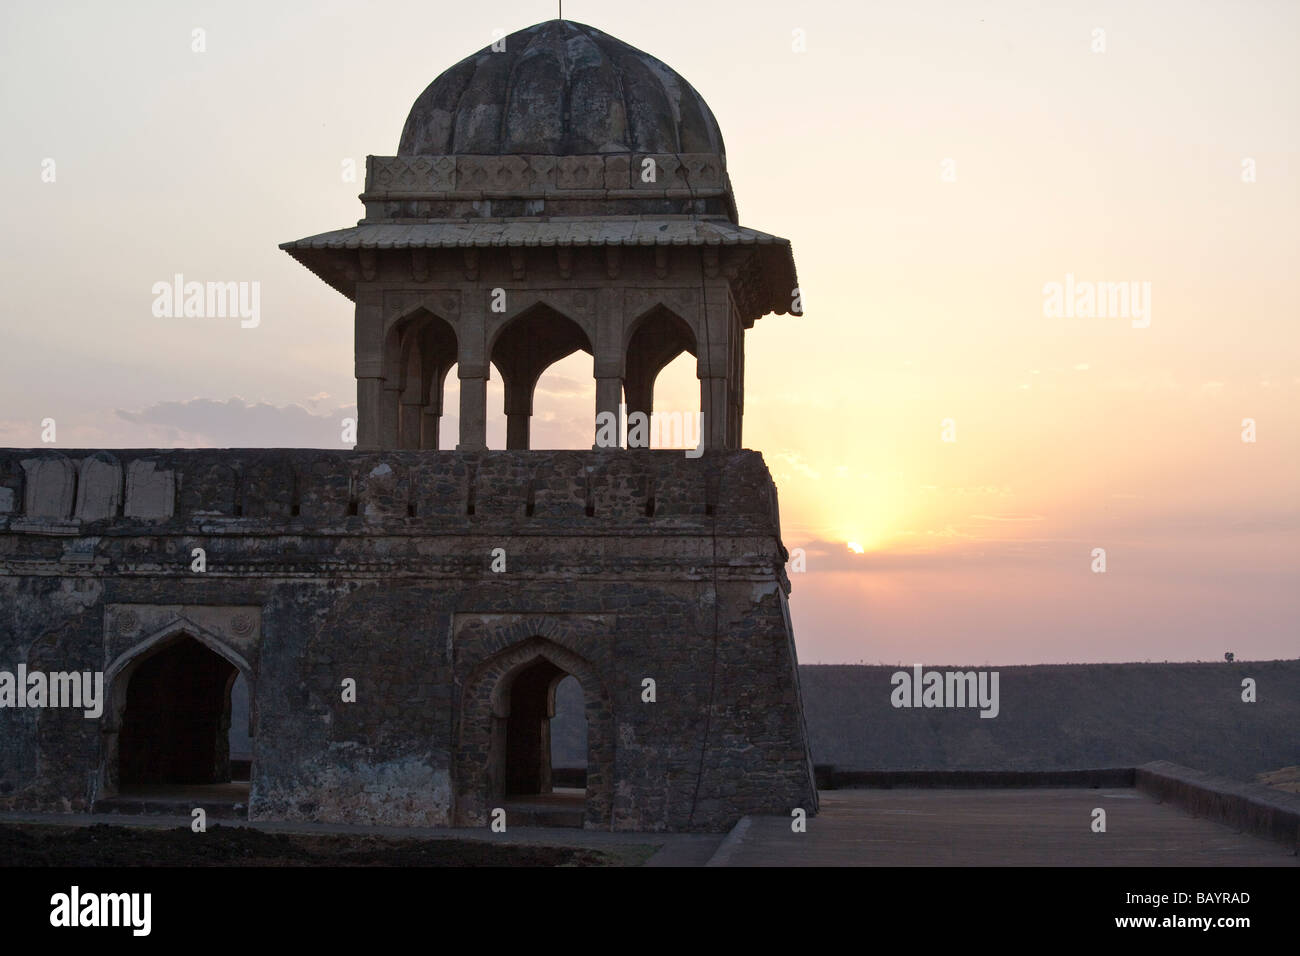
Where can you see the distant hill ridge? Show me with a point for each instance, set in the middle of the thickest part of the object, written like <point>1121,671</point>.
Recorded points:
<point>1050,717</point>
<point>1063,717</point>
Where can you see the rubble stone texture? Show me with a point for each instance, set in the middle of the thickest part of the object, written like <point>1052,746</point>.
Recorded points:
<point>515,226</point>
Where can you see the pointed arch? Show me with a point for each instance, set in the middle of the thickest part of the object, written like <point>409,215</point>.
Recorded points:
<point>420,347</point>
<point>663,315</point>
<point>117,680</point>
<point>522,348</point>
<point>654,340</point>
<point>485,707</point>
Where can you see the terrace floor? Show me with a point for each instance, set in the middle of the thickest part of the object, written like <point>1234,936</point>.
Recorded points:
<point>1020,827</point>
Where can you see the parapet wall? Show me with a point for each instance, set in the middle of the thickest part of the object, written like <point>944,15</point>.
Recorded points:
<point>68,492</point>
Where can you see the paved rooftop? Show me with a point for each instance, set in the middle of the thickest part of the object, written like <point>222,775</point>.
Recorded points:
<point>1022,827</point>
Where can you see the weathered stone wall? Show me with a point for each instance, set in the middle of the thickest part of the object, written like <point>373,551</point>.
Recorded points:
<point>322,566</point>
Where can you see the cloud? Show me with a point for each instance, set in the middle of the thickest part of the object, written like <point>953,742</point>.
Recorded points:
<point>235,423</point>
<point>562,387</point>
<point>796,462</point>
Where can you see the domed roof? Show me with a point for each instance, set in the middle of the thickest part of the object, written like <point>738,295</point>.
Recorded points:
<point>559,88</point>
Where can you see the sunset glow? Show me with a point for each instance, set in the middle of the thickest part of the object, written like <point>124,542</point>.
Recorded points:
<point>947,452</point>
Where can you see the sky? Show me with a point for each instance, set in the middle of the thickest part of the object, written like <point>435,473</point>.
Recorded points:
<point>949,448</point>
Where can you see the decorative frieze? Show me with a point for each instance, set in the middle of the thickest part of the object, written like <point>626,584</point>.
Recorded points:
<point>601,175</point>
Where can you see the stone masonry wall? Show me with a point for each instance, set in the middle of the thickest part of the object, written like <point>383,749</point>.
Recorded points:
<point>322,566</point>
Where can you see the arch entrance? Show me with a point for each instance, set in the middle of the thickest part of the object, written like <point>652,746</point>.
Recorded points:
<point>172,718</point>
<point>528,729</point>
<point>176,725</point>
<point>507,756</point>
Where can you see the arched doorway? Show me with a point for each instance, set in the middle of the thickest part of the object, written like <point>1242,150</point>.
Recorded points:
<point>506,756</point>
<point>538,790</point>
<point>180,725</point>
<point>176,725</point>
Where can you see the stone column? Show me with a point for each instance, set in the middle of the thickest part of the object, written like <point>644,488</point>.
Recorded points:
<point>737,416</point>
<point>429,419</point>
<point>714,366</point>
<point>738,440</point>
<point>473,409</point>
<point>519,413</point>
<point>609,395</point>
<point>388,414</point>
<point>517,437</point>
<point>609,361</point>
<point>368,352</point>
<point>639,386</point>
<point>370,391</point>
<point>472,368</point>
<point>412,410</point>
<point>714,405</point>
